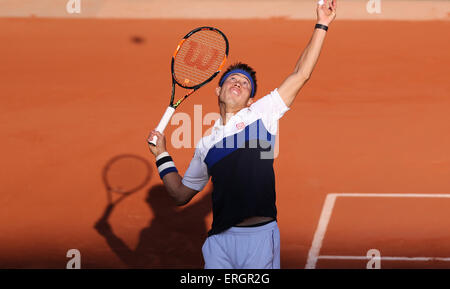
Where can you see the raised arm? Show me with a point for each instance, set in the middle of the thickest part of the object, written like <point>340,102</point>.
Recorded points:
<point>290,87</point>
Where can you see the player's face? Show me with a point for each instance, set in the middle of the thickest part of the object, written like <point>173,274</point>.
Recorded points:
<point>235,90</point>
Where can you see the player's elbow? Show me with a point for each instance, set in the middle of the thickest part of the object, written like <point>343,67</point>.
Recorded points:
<point>302,76</point>
<point>300,80</point>
<point>178,198</point>
<point>183,195</point>
<point>181,202</point>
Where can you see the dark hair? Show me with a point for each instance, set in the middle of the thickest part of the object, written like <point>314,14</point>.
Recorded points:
<point>245,67</point>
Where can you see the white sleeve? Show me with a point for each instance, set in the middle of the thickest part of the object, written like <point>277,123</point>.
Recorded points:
<point>271,108</point>
<point>196,176</point>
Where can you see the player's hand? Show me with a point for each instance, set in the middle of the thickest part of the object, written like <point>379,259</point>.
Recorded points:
<point>102,226</point>
<point>160,143</point>
<point>326,12</point>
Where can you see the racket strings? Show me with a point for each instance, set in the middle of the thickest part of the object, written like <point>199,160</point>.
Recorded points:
<point>199,57</point>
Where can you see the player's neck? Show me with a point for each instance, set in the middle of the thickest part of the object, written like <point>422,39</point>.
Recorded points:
<point>227,112</point>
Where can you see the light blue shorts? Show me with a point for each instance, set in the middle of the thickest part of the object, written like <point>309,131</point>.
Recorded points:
<point>244,248</point>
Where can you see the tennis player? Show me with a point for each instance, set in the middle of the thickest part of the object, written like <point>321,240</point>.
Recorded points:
<point>238,157</point>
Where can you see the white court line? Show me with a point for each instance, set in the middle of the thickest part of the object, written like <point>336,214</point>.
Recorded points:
<point>326,257</point>
<point>321,230</point>
<point>327,210</point>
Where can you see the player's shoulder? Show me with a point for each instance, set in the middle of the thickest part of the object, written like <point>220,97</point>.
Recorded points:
<point>204,144</point>
<point>266,100</point>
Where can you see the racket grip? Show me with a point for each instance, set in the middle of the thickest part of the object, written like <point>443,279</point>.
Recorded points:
<point>163,123</point>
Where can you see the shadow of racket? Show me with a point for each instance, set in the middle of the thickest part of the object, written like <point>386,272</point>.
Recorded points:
<point>122,176</point>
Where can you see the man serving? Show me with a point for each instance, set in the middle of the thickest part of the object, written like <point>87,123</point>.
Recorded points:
<point>238,157</point>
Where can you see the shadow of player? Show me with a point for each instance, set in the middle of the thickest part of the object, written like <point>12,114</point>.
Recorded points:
<point>173,239</point>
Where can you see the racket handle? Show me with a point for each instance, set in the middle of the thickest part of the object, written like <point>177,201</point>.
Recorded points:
<point>163,123</point>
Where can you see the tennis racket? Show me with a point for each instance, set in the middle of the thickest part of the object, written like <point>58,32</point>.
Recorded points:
<point>199,57</point>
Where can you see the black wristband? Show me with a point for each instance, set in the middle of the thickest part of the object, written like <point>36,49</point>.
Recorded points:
<point>165,164</point>
<point>321,26</point>
<point>163,160</point>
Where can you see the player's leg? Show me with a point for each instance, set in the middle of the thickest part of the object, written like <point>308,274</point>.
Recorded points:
<point>256,247</point>
<point>215,253</point>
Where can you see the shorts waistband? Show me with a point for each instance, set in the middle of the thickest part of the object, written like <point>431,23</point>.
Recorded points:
<point>255,225</point>
<point>249,230</point>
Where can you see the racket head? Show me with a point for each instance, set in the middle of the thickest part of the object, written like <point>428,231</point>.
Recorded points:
<point>126,174</point>
<point>199,57</point>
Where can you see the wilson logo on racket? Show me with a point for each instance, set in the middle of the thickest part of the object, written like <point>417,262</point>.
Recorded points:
<point>205,57</point>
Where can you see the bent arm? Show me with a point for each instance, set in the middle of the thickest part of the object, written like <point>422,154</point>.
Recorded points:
<point>177,190</point>
<point>180,193</point>
<point>304,67</point>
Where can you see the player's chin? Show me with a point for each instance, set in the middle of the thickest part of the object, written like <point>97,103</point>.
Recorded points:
<point>239,95</point>
<point>230,97</point>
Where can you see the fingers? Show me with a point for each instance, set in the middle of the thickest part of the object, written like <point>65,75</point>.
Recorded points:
<point>153,134</point>
<point>156,142</point>
<point>150,138</point>
<point>333,6</point>
<point>159,139</point>
<point>328,7</point>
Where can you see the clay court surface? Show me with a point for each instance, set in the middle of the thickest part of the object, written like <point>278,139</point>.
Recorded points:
<point>373,119</point>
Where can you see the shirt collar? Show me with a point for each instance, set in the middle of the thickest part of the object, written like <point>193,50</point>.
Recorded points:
<point>219,123</point>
